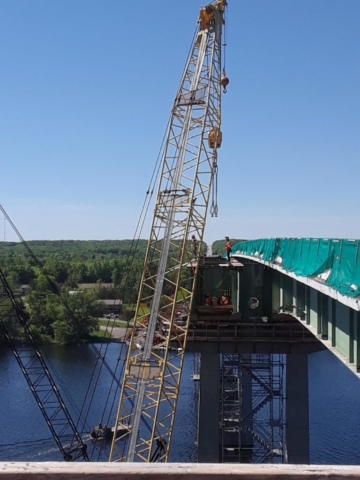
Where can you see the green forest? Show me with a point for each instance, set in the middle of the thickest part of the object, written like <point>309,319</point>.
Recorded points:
<point>43,274</point>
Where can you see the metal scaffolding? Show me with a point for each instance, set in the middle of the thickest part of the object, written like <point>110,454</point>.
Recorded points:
<point>252,408</point>
<point>230,412</point>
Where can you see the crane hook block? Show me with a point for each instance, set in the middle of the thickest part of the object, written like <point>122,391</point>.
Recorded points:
<point>224,82</point>
<point>215,138</point>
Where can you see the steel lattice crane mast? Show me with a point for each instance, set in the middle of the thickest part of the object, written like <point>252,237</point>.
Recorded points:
<point>13,318</point>
<point>189,165</point>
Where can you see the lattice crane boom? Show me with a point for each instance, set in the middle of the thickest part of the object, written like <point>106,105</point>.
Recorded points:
<point>157,345</point>
<point>38,376</point>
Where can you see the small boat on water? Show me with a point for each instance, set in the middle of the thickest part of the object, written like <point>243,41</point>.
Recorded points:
<point>105,433</point>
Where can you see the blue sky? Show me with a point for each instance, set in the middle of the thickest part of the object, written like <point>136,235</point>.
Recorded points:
<point>86,89</point>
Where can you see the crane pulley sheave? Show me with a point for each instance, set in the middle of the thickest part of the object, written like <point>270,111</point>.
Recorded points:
<point>157,345</point>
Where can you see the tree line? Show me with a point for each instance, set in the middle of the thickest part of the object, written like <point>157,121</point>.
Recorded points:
<point>62,316</point>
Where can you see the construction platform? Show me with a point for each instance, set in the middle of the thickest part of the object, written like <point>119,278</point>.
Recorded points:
<point>226,336</point>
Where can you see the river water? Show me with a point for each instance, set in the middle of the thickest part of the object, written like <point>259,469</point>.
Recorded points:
<point>334,394</point>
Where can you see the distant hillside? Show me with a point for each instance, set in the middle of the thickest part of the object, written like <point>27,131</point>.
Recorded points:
<point>88,249</point>
<point>79,249</point>
<point>76,261</point>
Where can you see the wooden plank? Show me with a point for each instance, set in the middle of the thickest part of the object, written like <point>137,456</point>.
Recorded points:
<point>172,471</point>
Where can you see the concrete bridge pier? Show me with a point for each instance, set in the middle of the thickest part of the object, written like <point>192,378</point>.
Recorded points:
<point>209,409</point>
<point>297,409</point>
<point>225,402</point>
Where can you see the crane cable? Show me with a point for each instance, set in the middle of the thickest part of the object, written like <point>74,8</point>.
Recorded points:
<point>153,180</point>
<point>225,40</point>
<point>214,181</point>
<point>55,290</point>
<point>160,442</point>
<point>131,255</point>
<point>214,209</point>
<point>129,261</point>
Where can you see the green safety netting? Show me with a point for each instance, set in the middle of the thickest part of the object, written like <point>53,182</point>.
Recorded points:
<point>310,257</point>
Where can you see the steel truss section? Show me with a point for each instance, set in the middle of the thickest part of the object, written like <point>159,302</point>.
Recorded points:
<point>14,325</point>
<point>157,345</point>
<point>262,377</point>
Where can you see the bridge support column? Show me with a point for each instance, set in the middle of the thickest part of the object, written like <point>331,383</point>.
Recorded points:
<point>297,409</point>
<point>300,300</point>
<point>313,310</point>
<point>288,292</point>
<point>276,291</point>
<point>209,409</point>
<point>357,341</point>
<point>323,315</point>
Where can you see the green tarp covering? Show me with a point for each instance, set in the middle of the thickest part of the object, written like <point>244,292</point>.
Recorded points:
<point>309,257</point>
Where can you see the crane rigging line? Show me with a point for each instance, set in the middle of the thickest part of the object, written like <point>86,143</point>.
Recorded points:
<point>140,225</point>
<point>130,260</point>
<point>155,174</point>
<point>139,229</point>
<point>133,249</point>
<point>158,164</point>
<point>128,267</point>
<point>225,39</point>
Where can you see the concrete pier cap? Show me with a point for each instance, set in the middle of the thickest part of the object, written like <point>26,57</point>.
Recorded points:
<point>171,471</point>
